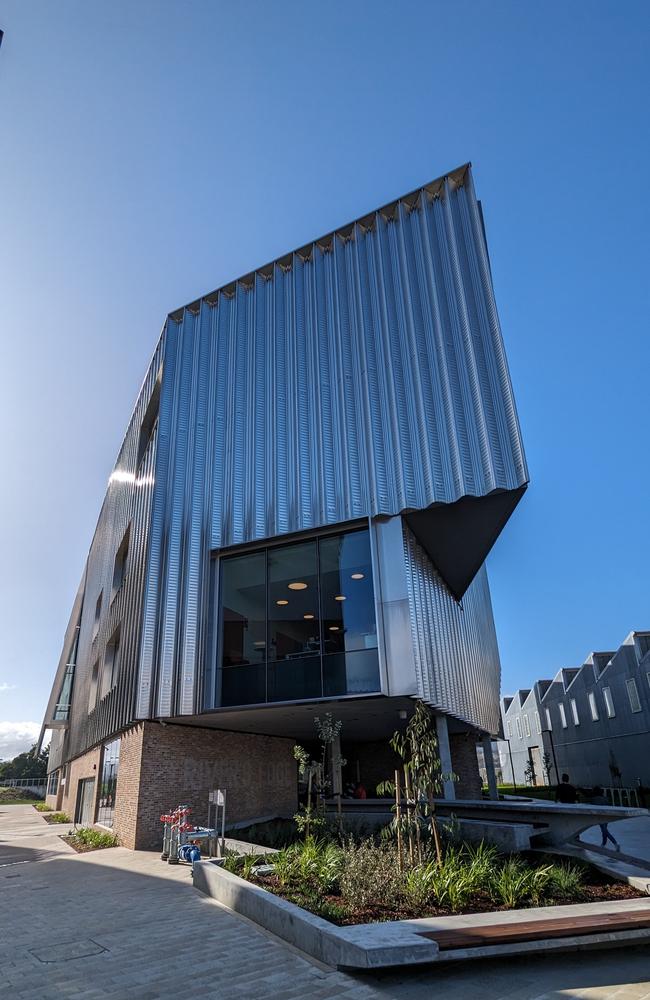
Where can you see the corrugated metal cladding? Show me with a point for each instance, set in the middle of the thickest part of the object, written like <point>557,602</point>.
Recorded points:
<point>127,503</point>
<point>362,375</point>
<point>456,653</point>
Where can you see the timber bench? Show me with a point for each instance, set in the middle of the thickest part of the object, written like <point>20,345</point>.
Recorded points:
<point>533,930</point>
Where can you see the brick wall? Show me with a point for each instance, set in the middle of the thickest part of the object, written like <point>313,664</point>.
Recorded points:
<point>128,785</point>
<point>184,763</point>
<point>161,766</point>
<point>465,764</point>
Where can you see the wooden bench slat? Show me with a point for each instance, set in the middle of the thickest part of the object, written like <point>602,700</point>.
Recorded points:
<point>529,930</point>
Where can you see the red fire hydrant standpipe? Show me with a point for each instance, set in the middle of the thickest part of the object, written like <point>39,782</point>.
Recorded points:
<point>177,830</point>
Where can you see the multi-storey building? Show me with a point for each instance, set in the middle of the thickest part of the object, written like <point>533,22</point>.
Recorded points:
<point>592,722</point>
<point>320,458</point>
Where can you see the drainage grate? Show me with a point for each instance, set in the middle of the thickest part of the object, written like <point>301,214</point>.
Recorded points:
<point>68,951</point>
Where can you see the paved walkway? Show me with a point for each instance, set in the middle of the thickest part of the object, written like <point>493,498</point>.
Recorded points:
<point>632,834</point>
<point>123,925</point>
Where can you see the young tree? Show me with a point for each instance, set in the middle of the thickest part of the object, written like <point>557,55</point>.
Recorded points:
<point>316,772</point>
<point>529,773</point>
<point>423,779</point>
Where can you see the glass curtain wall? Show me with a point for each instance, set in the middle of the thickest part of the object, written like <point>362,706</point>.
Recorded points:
<point>298,622</point>
<point>110,765</point>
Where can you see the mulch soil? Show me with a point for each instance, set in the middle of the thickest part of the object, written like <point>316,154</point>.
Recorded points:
<point>597,888</point>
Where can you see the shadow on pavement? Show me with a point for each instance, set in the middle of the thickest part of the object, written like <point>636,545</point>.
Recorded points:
<point>121,924</point>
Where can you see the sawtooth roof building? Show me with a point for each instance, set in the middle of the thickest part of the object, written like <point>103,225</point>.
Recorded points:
<point>320,458</point>
<point>592,722</point>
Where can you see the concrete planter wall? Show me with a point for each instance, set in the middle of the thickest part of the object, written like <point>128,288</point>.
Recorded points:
<point>359,947</point>
<point>401,942</point>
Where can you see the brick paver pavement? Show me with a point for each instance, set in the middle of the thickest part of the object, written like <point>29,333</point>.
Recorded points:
<point>121,924</point>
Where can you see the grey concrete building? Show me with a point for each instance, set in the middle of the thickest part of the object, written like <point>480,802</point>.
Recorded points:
<point>592,722</point>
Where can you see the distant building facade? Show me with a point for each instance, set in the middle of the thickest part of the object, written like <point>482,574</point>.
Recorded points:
<point>592,722</point>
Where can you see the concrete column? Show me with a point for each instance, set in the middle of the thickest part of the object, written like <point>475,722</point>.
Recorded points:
<point>444,751</point>
<point>486,743</point>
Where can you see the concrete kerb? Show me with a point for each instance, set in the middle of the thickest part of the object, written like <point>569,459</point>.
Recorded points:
<point>368,946</point>
<point>401,942</point>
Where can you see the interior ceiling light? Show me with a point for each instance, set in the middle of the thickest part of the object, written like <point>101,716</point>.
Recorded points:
<point>357,576</point>
<point>340,597</point>
<point>260,644</point>
<point>309,617</point>
<point>334,628</point>
<point>282,603</point>
<point>298,586</point>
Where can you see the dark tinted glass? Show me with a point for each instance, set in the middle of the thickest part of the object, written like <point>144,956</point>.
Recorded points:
<point>294,623</point>
<point>110,765</point>
<point>350,664</point>
<point>243,629</point>
<point>298,622</point>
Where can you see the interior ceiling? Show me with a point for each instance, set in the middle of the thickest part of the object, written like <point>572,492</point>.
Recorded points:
<point>364,719</point>
<point>458,536</point>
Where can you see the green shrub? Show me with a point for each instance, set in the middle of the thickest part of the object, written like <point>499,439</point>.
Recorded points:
<point>247,863</point>
<point>369,875</point>
<point>94,838</point>
<point>517,884</point>
<point>58,817</point>
<point>484,860</point>
<point>566,880</point>
<point>285,865</point>
<point>455,881</point>
<point>312,867</point>
<point>232,861</point>
<point>330,911</point>
<point>417,886</point>
<point>41,807</point>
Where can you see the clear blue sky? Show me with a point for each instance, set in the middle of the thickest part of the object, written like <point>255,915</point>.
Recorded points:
<point>151,151</point>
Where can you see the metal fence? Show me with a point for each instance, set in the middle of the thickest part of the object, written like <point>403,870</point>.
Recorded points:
<point>24,782</point>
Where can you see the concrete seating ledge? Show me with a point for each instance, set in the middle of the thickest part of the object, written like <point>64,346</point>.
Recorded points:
<point>403,942</point>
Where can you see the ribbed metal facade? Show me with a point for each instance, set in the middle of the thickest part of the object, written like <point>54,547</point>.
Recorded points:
<point>127,502</point>
<point>361,376</point>
<point>456,653</point>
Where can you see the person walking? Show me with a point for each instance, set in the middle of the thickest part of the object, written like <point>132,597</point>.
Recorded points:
<point>565,791</point>
<point>598,798</point>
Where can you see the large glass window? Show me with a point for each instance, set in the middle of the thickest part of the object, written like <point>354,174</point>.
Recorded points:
<point>243,630</point>
<point>294,654</point>
<point>298,622</point>
<point>349,626</point>
<point>108,786</point>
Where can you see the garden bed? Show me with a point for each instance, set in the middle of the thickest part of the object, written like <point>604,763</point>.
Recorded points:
<point>86,839</point>
<point>55,817</point>
<point>361,883</point>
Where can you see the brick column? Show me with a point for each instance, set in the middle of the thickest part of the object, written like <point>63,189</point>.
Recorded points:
<point>465,764</point>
